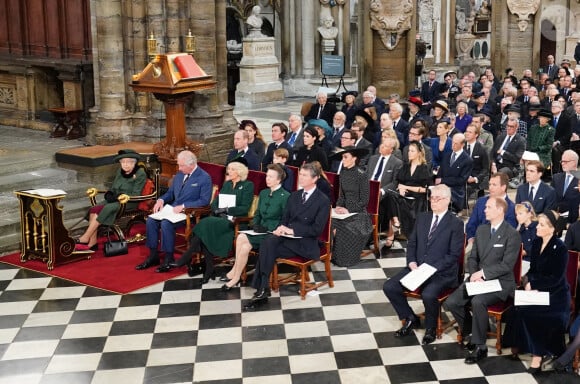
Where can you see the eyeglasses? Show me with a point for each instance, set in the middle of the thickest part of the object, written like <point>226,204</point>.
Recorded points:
<point>346,138</point>
<point>437,199</point>
<point>565,161</point>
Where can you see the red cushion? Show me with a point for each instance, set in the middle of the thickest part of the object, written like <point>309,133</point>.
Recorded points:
<point>148,189</point>
<point>501,306</point>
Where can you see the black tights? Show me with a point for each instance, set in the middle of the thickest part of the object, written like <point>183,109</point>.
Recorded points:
<point>568,355</point>
<point>197,246</point>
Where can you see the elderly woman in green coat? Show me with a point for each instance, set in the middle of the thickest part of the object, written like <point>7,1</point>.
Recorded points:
<point>541,137</point>
<point>214,235</point>
<point>271,204</point>
<point>129,180</point>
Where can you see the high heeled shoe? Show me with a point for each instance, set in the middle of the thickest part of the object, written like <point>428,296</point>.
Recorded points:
<point>226,288</point>
<point>389,242</point>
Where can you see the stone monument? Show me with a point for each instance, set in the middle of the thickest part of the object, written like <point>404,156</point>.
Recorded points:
<point>259,82</point>
<point>328,32</point>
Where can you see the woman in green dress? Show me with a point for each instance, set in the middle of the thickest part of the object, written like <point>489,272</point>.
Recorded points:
<point>214,235</point>
<point>271,204</point>
<point>129,180</point>
<point>541,138</point>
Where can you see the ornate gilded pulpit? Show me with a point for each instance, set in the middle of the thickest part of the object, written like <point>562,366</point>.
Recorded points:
<point>173,79</point>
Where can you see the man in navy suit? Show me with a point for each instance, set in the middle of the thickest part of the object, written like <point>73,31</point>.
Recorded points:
<point>241,149</point>
<point>191,188</point>
<point>279,133</point>
<point>305,216</point>
<point>430,89</point>
<point>566,186</point>
<point>438,241</point>
<point>540,194</point>
<point>454,170</point>
<point>551,68</point>
<point>338,126</point>
<point>295,136</point>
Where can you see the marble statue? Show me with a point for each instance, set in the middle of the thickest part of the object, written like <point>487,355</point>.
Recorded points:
<point>328,32</point>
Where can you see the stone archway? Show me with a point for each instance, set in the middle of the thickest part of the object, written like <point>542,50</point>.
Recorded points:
<point>547,40</point>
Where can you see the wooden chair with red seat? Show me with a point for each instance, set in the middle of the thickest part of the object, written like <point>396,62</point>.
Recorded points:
<point>126,218</point>
<point>373,210</point>
<point>301,276</point>
<point>333,179</point>
<point>295,170</point>
<point>498,309</point>
<point>217,172</point>
<point>416,294</point>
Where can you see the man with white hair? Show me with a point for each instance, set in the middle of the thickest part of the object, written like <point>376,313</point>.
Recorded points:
<point>322,109</point>
<point>566,186</point>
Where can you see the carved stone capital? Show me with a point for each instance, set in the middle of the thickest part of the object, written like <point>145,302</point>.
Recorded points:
<point>391,19</point>
<point>523,9</point>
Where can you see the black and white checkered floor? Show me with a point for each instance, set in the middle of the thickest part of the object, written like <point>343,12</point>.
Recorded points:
<point>54,331</point>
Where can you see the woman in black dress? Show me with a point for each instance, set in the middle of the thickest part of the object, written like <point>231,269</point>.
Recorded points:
<point>311,151</point>
<point>324,135</point>
<point>351,234</point>
<point>413,180</point>
<point>539,329</point>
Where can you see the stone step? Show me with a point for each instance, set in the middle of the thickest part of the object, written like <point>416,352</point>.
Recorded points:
<point>29,161</point>
<point>41,178</point>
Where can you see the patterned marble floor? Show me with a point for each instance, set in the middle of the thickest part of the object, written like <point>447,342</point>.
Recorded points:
<point>54,331</point>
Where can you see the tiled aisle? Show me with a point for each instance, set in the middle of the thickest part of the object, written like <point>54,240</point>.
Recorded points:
<point>53,331</point>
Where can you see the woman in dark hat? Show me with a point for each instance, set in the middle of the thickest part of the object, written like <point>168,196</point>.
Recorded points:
<point>349,108</point>
<point>311,151</point>
<point>255,140</point>
<point>539,329</point>
<point>351,234</point>
<point>129,180</point>
<point>214,235</point>
<point>366,122</point>
<point>541,138</point>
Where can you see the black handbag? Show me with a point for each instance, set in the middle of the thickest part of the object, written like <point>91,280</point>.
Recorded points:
<point>115,247</point>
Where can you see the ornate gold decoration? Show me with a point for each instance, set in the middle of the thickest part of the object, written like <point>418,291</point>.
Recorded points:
<point>392,20</point>
<point>190,43</point>
<point>523,9</point>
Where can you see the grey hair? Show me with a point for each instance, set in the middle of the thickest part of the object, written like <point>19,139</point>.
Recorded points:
<point>188,156</point>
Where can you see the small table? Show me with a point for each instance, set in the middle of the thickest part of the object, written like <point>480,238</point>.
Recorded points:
<point>68,123</point>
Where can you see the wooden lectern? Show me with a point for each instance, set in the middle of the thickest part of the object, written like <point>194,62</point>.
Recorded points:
<point>43,234</point>
<point>163,78</point>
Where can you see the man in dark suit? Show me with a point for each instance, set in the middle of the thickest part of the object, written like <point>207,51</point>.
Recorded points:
<point>430,88</point>
<point>540,194</point>
<point>191,188</point>
<point>338,126</point>
<point>384,167</point>
<point>359,130</point>
<point>508,150</point>
<point>322,109</point>
<point>551,68</point>
<point>241,149</point>
<point>399,124</point>
<point>478,180</point>
<point>418,133</point>
<point>279,133</point>
<point>563,126</point>
<point>295,136</point>
<point>566,186</point>
<point>493,256</point>
<point>305,216</point>
<point>438,241</point>
<point>454,170</point>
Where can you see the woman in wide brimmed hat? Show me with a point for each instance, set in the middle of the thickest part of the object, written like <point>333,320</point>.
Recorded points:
<point>349,108</point>
<point>311,151</point>
<point>351,234</point>
<point>324,135</point>
<point>541,138</point>
<point>129,180</point>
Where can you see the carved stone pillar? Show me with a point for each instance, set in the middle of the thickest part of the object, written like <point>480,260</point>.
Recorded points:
<point>308,40</point>
<point>111,118</point>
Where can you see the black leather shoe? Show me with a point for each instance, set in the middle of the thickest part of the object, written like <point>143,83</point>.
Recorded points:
<point>147,264</point>
<point>534,370</point>
<point>410,323</point>
<point>164,268</point>
<point>207,277</point>
<point>561,368</point>
<point>467,344</point>
<point>476,355</point>
<point>430,336</point>
<point>225,279</point>
<point>261,294</point>
<point>226,288</point>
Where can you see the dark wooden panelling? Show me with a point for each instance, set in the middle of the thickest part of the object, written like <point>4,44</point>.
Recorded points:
<point>56,29</point>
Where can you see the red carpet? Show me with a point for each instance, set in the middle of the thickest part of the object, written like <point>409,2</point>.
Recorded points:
<point>116,274</point>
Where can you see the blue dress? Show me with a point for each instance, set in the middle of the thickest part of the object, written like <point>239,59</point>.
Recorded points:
<point>528,235</point>
<point>437,154</point>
